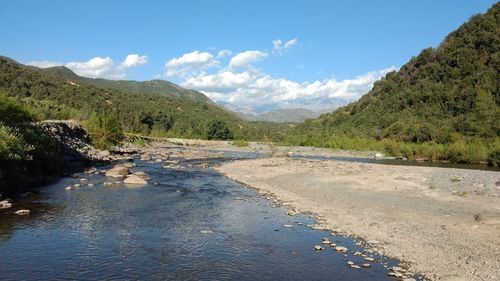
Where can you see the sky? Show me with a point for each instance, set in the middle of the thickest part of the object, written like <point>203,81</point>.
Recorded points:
<point>251,56</point>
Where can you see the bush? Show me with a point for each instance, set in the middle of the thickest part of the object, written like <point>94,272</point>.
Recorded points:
<point>13,146</point>
<point>104,130</point>
<point>218,130</point>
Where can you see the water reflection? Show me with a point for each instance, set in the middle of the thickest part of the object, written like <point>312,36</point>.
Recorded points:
<point>193,225</point>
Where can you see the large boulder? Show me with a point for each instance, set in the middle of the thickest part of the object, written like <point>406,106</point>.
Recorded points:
<point>134,179</point>
<point>118,171</point>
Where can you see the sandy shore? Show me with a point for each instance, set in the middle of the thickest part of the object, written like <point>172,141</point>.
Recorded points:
<point>443,223</point>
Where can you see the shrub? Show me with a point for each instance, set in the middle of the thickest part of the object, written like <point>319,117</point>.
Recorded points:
<point>13,145</point>
<point>218,130</point>
<point>104,130</point>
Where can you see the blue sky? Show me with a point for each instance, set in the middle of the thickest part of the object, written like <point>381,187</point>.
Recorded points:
<point>344,46</point>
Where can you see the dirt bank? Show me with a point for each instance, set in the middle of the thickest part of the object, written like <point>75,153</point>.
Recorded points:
<point>444,223</point>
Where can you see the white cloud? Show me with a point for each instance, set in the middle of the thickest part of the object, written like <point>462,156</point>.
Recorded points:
<point>245,59</point>
<point>224,53</point>
<point>189,63</point>
<point>280,48</point>
<point>98,67</point>
<point>258,92</point>
<point>44,63</point>
<point>133,60</point>
<point>95,67</point>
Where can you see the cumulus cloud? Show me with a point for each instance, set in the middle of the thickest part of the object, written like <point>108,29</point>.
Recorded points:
<point>44,63</point>
<point>189,63</point>
<point>133,60</point>
<point>98,67</point>
<point>280,48</point>
<point>257,91</point>
<point>245,59</point>
<point>224,53</point>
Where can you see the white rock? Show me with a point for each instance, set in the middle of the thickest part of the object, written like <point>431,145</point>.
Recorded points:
<point>288,225</point>
<point>370,259</point>
<point>355,266</point>
<point>68,188</point>
<point>366,265</point>
<point>133,179</point>
<point>23,212</point>
<point>142,175</point>
<point>118,171</point>
<point>318,248</point>
<point>350,262</point>
<point>341,249</point>
<point>357,253</point>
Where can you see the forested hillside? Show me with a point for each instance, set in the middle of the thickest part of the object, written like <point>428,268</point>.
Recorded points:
<point>444,97</point>
<point>155,107</point>
<point>160,87</point>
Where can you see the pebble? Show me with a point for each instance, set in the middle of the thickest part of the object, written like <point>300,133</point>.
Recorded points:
<point>366,265</point>
<point>318,248</point>
<point>77,185</point>
<point>357,253</point>
<point>370,259</point>
<point>350,263</point>
<point>90,184</point>
<point>355,266</point>
<point>68,188</point>
<point>341,249</point>
<point>288,225</point>
<point>107,183</point>
<point>206,231</point>
<point>23,212</point>
<point>327,242</point>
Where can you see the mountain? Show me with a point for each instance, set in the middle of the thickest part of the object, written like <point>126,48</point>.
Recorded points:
<point>159,87</point>
<point>443,95</point>
<point>157,107</point>
<point>284,115</point>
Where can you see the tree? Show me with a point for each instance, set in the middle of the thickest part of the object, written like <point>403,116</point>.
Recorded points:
<point>218,130</point>
<point>104,130</point>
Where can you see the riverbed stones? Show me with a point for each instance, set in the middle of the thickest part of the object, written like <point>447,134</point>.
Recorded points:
<point>22,212</point>
<point>68,188</point>
<point>370,259</point>
<point>142,175</point>
<point>118,171</point>
<point>318,248</point>
<point>107,183</point>
<point>350,263</point>
<point>5,204</point>
<point>355,266</point>
<point>366,265</point>
<point>134,179</point>
<point>357,253</point>
<point>341,249</point>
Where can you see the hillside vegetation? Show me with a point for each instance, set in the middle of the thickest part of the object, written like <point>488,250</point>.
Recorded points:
<point>443,104</point>
<point>156,108</point>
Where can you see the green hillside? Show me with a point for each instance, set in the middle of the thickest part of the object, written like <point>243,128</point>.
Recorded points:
<point>446,96</point>
<point>160,87</point>
<point>154,107</point>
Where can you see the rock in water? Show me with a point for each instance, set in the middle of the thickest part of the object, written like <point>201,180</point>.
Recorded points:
<point>341,249</point>
<point>318,248</point>
<point>5,204</point>
<point>142,175</point>
<point>133,179</point>
<point>23,212</point>
<point>118,171</point>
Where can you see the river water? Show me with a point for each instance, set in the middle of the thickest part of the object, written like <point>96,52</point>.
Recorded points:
<point>187,224</point>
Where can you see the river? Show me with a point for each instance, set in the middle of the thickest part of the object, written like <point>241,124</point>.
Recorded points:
<point>186,224</point>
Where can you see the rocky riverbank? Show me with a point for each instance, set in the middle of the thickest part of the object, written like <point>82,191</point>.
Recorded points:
<point>443,223</point>
<point>66,149</point>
